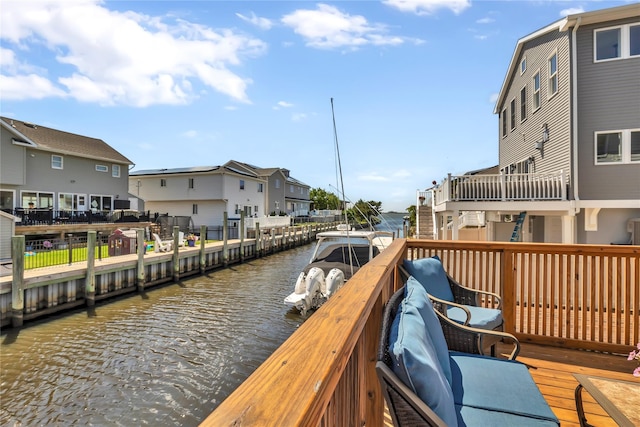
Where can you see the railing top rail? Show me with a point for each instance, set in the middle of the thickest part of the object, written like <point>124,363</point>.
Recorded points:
<point>522,247</point>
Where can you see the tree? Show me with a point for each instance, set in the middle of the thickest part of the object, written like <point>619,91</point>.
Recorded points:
<point>365,211</point>
<point>322,199</point>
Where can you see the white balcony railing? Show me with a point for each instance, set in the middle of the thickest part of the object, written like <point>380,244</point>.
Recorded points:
<point>552,186</point>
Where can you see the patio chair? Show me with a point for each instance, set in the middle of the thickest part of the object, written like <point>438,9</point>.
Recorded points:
<point>425,383</point>
<point>160,245</point>
<point>180,238</point>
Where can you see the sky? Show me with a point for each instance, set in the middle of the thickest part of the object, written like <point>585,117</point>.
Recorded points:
<point>198,83</point>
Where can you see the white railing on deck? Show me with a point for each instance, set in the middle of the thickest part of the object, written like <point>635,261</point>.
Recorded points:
<point>552,186</point>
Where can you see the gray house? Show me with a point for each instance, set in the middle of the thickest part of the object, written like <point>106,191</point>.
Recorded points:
<point>48,169</point>
<point>569,138</point>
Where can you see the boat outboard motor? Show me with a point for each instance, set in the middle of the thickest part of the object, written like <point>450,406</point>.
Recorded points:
<point>314,282</point>
<point>333,282</point>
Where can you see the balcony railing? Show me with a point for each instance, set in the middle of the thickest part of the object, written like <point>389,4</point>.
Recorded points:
<point>30,216</point>
<point>503,187</point>
<point>574,296</point>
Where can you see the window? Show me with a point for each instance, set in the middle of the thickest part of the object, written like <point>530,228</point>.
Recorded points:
<point>237,211</point>
<point>260,187</point>
<point>523,65</point>
<point>290,188</point>
<point>56,162</point>
<point>536,91</point>
<point>102,168</point>
<point>301,191</point>
<point>616,42</point>
<point>190,183</point>
<point>100,203</point>
<point>70,201</point>
<point>277,182</point>
<point>513,113</point>
<point>255,210</point>
<point>553,75</point>
<point>194,209</point>
<point>115,171</point>
<point>618,147</point>
<point>7,198</point>
<point>523,104</point>
<point>504,122</point>
<point>163,182</point>
<point>36,199</point>
<point>242,184</point>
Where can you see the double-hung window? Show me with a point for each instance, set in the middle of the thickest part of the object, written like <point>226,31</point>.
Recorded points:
<point>190,183</point>
<point>504,122</point>
<point>242,184</point>
<point>523,104</point>
<point>536,91</point>
<point>56,162</point>
<point>513,113</point>
<point>552,89</point>
<point>115,171</point>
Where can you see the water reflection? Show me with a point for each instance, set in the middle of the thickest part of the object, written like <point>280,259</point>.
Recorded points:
<point>167,357</point>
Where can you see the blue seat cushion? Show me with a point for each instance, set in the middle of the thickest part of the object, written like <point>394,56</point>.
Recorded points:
<point>469,416</point>
<point>417,296</point>
<point>416,364</point>
<point>430,273</point>
<point>481,317</point>
<point>497,385</point>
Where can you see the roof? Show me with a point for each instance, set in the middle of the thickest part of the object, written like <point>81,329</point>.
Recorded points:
<point>570,21</point>
<point>170,171</point>
<point>57,141</point>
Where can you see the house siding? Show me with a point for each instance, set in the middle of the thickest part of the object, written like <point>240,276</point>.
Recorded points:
<point>554,111</point>
<point>12,161</point>
<point>608,99</point>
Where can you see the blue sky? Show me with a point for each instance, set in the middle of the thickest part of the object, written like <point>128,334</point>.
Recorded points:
<point>195,83</point>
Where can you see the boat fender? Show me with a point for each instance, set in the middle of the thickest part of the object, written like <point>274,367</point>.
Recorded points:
<point>334,281</point>
<point>301,285</point>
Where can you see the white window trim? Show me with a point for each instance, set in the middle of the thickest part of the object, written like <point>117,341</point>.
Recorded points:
<point>536,92</point>
<point>526,101</point>
<point>523,62</point>
<point>513,114</point>
<point>115,171</point>
<point>61,162</point>
<point>625,42</point>
<point>102,168</point>
<point>504,124</point>
<point>625,147</point>
<point>551,76</point>
<point>163,182</point>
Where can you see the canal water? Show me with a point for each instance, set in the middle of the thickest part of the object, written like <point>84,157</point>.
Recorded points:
<point>166,357</point>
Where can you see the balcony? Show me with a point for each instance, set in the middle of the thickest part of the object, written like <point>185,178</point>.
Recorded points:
<point>502,187</point>
<point>574,308</point>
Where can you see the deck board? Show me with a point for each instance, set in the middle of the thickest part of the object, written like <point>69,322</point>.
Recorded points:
<point>552,369</point>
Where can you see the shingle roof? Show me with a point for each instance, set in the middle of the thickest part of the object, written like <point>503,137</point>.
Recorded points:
<point>174,170</point>
<point>61,142</point>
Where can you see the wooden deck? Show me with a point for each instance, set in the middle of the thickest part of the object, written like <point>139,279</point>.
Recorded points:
<point>552,369</point>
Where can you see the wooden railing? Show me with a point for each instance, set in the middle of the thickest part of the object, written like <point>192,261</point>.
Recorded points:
<point>502,187</point>
<point>578,296</point>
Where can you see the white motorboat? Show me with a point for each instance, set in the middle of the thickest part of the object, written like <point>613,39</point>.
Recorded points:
<point>338,255</point>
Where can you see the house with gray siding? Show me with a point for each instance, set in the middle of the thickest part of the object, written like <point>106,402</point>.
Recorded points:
<point>45,169</point>
<point>568,137</point>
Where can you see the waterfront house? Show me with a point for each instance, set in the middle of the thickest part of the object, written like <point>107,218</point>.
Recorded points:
<point>49,175</point>
<point>205,192</point>
<point>285,194</point>
<point>568,138</point>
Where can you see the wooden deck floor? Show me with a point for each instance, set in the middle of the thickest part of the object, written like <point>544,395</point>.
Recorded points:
<point>552,370</point>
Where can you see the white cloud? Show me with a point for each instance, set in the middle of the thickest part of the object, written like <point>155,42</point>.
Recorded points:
<point>485,21</point>
<point>285,104</point>
<point>373,176</point>
<point>429,7</point>
<point>571,11</point>
<point>298,117</point>
<point>190,134</point>
<point>327,27</point>
<point>259,22</point>
<point>35,87</point>
<point>110,57</point>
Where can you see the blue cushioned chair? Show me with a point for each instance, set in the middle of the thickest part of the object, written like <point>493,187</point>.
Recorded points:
<point>459,303</point>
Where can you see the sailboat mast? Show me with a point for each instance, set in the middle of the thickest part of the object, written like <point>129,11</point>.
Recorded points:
<point>339,165</point>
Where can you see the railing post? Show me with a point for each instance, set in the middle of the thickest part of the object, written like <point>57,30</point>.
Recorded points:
<point>203,240</point>
<point>225,243</point>
<point>90,279</point>
<point>142,248</point>
<point>176,248</point>
<point>241,236</point>
<point>17,284</point>
<point>258,240</point>
<point>99,238</point>
<point>508,291</point>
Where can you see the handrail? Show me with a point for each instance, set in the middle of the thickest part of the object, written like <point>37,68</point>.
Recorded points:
<point>576,296</point>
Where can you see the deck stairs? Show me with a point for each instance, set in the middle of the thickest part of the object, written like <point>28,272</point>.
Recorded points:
<point>425,222</point>
<point>517,230</point>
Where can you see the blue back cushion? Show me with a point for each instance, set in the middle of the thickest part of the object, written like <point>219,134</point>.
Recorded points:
<point>418,297</point>
<point>415,361</point>
<point>430,273</point>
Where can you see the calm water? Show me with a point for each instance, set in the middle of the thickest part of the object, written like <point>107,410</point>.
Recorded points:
<point>167,357</point>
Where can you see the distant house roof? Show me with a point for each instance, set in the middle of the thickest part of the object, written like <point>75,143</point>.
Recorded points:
<point>170,171</point>
<point>491,170</point>
<point>586,18</point>
<point>57,141</point>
